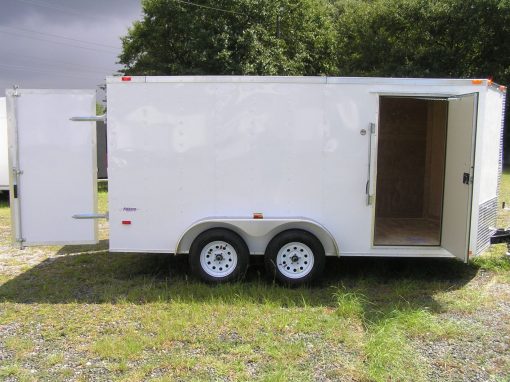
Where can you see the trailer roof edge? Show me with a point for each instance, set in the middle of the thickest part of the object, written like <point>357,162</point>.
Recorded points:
<point>299,79</point>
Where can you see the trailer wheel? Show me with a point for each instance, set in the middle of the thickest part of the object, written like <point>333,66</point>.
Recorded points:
<point>295,257</point>
<point>219,255</point>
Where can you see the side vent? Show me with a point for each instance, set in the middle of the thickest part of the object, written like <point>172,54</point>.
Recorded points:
<point>501,141</point>
<point>486,218</point>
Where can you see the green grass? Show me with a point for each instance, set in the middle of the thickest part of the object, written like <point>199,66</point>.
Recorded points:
<point>102,197</point>
<point>504,196</point>
<point>122,347</point>
<point>54,359</point>
<point>12,370</point>
<point>390,354</point>
<point>350,304</point>
<point>20,347</point>
<point>134,317</point>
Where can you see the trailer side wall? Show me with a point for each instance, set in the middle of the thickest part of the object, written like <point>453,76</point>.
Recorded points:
<point>181,152</point>
<point>489,155</point>
<point>181,149</point>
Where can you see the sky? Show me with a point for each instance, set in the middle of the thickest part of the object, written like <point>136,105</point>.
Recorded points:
<point>62,43</point>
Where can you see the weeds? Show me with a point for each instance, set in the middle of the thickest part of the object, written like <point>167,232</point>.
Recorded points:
<point>350,305</point>
<point>120,347</point>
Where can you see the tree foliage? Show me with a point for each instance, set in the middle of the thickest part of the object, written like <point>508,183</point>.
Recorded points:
<point>419,38</point>
<point>255,37</point>
<point>425,38</point>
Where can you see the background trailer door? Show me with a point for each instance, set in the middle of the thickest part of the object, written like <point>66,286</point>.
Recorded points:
<point>52,165</point>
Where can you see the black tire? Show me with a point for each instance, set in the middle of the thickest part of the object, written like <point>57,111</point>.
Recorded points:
<point>204,269</point>
<point>305,241</point>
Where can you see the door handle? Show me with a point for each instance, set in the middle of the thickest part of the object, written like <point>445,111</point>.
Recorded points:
<point>371,130</point>
<point>465,178</point>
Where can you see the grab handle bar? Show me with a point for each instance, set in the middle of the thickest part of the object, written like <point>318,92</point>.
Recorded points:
<point>371,130</point>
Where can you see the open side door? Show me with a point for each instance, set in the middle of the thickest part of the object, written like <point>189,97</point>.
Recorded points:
<point>52,166</point>
<point>458,187</point>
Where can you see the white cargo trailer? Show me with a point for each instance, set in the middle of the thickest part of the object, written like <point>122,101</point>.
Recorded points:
<point>4,165</point>
<point>291,168</point>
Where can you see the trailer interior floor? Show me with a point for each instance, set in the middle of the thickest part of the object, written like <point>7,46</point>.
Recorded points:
<point>407,231</point>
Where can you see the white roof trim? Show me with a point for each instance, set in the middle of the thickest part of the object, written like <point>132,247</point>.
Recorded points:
<point>297,79</point>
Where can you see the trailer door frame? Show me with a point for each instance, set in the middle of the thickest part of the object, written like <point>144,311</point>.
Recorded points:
<point>465,225</point>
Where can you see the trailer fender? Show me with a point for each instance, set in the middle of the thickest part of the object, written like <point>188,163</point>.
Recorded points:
<point>258,232</point>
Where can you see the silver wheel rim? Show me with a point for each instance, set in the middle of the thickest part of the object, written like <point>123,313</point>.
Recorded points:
<point>295,260</point>
<point>218,258</point>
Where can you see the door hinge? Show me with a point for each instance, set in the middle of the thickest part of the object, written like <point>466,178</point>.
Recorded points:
<point>371,126</point>
<point>16,93</point>
<point>20,242</point>
<point>15,188</point>
<point>16,171</point>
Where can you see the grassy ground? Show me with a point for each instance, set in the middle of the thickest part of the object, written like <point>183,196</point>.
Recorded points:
<point>80,313</point>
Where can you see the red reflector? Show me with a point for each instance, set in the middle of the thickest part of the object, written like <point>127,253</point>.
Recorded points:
<point>126,78</point>
<point>502,88</point>
<point>258,215</point>
<point>126,222</point>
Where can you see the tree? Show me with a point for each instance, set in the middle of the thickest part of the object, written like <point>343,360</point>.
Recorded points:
<point>231,37</point>
<point>424,38</point>
<point>411,38</point>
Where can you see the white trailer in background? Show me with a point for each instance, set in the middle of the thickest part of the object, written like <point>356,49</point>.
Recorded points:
<point>4,165</point>
<point>291,168</point>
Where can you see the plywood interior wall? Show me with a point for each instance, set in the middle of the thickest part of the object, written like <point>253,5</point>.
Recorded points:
<point>435,159</point>
<point>411,157</point>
